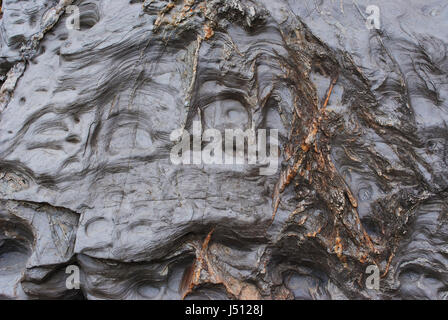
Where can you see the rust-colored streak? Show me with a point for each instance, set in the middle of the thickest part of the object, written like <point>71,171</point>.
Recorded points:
<point>330,90</point>
<point>208,32</point>
<point>192,275</point>
<point>207,240</point>
<point>389,261</point>
<point>276,204</point>
<point>290,174</point>
<point>352,198</point>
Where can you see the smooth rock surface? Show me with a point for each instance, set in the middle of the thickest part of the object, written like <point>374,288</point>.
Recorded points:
<point>86,177</point>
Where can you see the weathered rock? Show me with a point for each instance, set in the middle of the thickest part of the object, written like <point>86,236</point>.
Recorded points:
<point>85,171</point>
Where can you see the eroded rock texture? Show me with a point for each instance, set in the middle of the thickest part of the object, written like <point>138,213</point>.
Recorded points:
<point>86,178</point>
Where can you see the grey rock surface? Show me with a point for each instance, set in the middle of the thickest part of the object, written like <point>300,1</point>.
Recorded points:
<point>86,177</point>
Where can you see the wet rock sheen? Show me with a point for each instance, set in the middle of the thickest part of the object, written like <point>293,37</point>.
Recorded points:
<point>86,178</point>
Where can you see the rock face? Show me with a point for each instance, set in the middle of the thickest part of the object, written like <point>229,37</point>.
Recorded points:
<point>86,178</point>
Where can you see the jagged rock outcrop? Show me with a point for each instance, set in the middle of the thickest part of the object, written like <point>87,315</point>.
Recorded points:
<point>86,177</point>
